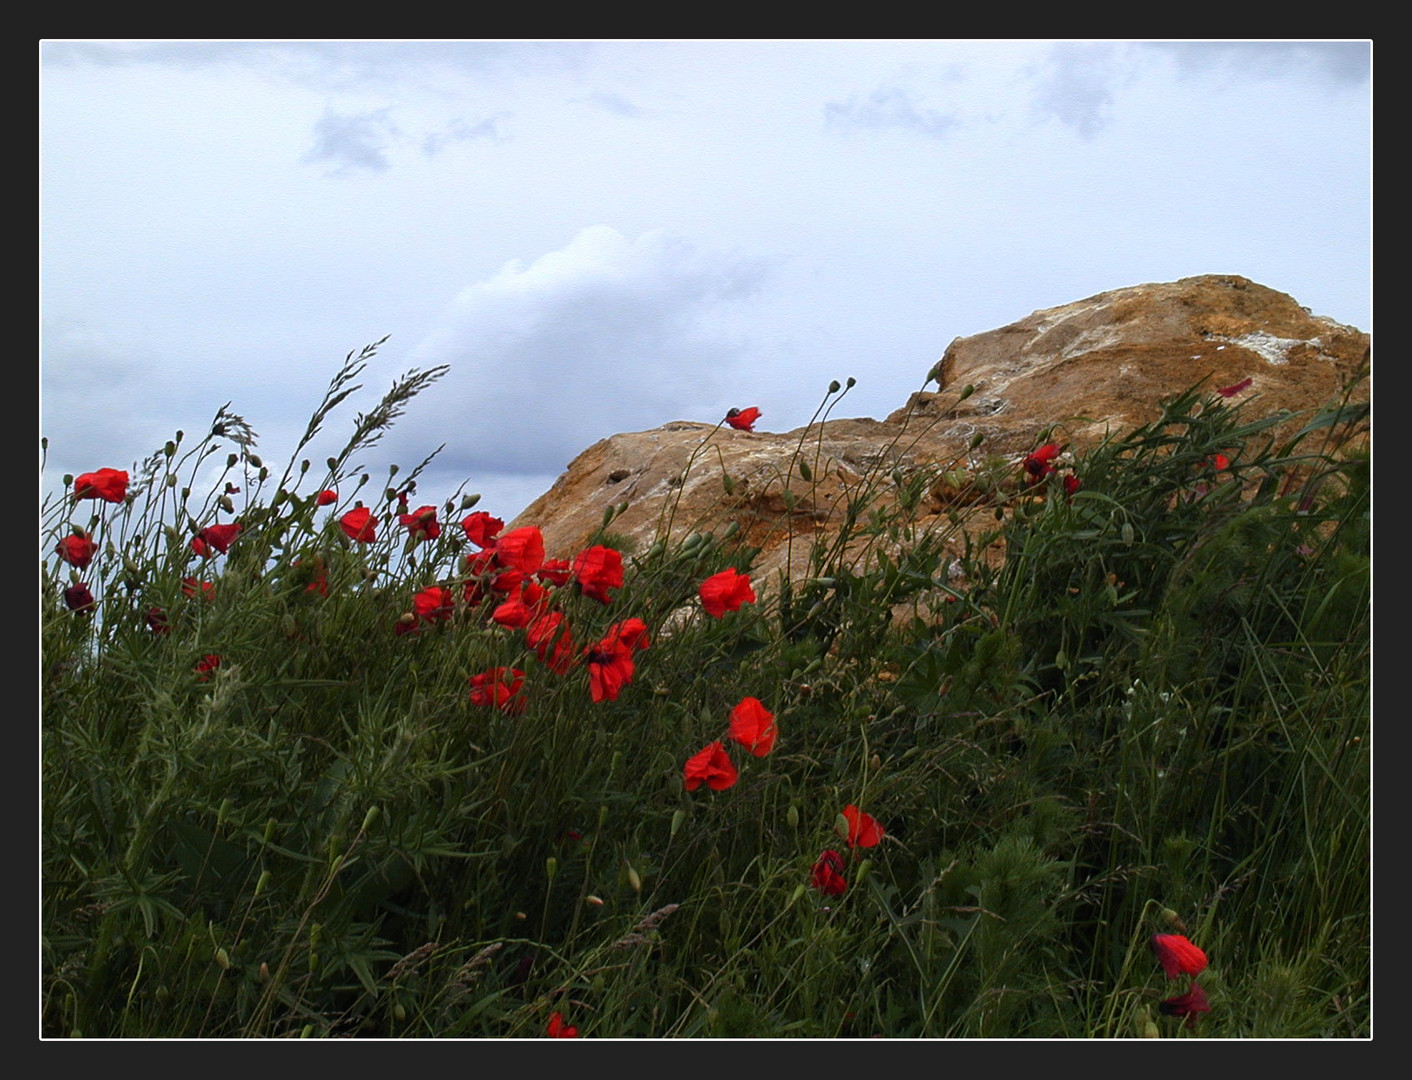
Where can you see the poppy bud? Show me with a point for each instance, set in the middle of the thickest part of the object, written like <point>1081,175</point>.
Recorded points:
<point>834,386</point>
<point>967,391</point>
<point>792,816</point>
<point>368,818</point>
<point>332,464</point>
<point>468,501</point>
<point>594,900</point>
<point>805,472</point>
<point>551,867</point>
<point>223,958</point>
<point>851,383</point>
<point>231,459</point>
<point>169,449</point>
<point>635,880</point>
<point>260,884</point>
<point>977,439</point>
<point>677,818</point>
<point>264,972</point>
<point>171,480</point>
<point>254,459</point>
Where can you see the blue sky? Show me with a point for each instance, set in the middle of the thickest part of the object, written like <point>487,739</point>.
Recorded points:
<point>604,236</point>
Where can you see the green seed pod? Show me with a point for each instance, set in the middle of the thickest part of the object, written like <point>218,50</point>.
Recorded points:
<point>231,459</point>
<point>805,471</point>
<point>851,382</point>
<point>169,449</point>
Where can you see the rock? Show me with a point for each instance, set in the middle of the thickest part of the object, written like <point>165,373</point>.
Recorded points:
<point>1085,369</point>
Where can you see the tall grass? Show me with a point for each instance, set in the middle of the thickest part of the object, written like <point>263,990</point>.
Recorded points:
<point>1138,703</point>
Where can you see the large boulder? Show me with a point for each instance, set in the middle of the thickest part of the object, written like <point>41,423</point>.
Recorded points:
<point>1085,369</point>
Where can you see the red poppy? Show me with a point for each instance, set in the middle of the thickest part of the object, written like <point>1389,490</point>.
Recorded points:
<point>1233,390</point>
<point>157,621</point>
<point>206,665</point>
<point>481,528</point>
<point>110,485</point>
<point>827,875</point>
<point>1219,462</point>
<point>1041,463</point>
<point>610,668</point>
<point>217,537</point>
<point>498,687</point>
<point>1072,484</point>
<point>598,569</point>
<point>557,1029</point>
<point>743,419</point>
<point>753,726</point>
<point>725,591</point>
<point>520,549</point>
<point>712,766</point>
<point>1191,1005</point>
<point>422,522</point>
<point>551,641</point>
<point>326,498</point>
<point>863,829</point>
<point>1177,955</point>
<point>359,524</point>
<point>631,632</point>
<point>79,598</point>
<point>433,604</point>
<point>191,587</point>
<point>555,571</point>
<point>520,610</point>
<point>317,577</point>
<point>77,550</point>
<point>231,489</point>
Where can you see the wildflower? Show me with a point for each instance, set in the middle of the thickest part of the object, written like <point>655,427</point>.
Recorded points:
<point>77,550</point>
<point>206,665</point>
<point>827,875</point>
<point>551,641</point>
<point>598,569</point>
<point>1177,955</point>
<point>433,604</point>
<point>520,610</point>
<point>422,522</point>
<point>1191,1005</point>
<point>557,1029</point>
<point>1040,464</point>
<point>1219,462</point>
<point>157,621</point>
<point>481,529</point>
<point>610,661</point>
<point>498,687</point>
<point>79,598</point>
<point>555,571</point>
<point>711,766</point>
<point>1072,484</point>
<point>1232,391</point>
<point>217,537</point>
<point>315,578</point>
<point>520,549</point>
<point>326,498</point>
<point>110,485</point>
<point>359,524</point>
<point>753,726</point>
<point>743,419</point>
<point>191,587</point>
<point>725,591</point>
<point>863,829</point>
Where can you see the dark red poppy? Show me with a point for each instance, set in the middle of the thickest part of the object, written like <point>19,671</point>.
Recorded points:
<point>215,537</point>
<point>157,621</point>
<point>549,637</point>
<point>725,591</point>
<point>1040,464</point>
<point>498,687</point>
<point>110,485</point>
<point>1236,388</point>
<point>434,604</point>
<point>863,829</point>
<point>557,1029</point>
<point>1177,955</point>
<point>77,550</point>
<point>326,498</point>
<point>79,598</point>
<point>753,726</point>
<point>359,524</point>
<point>520,549</point>
<point>598,569</point>
<point>206,665</point>
<point>1072,484</point>
<point>712,766</point>
<point>481,529</point>
<point>743,419</point>
<point>827,875</point>
<point>1191,1005</point>
<point>191,587</point>
<point>316,577</point>
<point>422,522</point>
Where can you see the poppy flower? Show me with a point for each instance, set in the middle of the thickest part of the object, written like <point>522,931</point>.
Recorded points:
<point>520,610</point>
<point>725,591</point>
<point>1177,955</point>
<point>551,641</point>
<point>433,604</point>
<point>359,524</point>
<point>77,550</point>
<point>217,537</point>
<point>110,485</point>
<point>743,419</point>
<point>753,726</point>
<point>326,498</point>
<point>315,577</point>
<point>1233,390</point>
<point>206,665</point>
<point>598,569</point>
<point>1191,1005</point>
<point>157,621</point>
<point>863,829</point>
<point>610,660</point>
<point>712,766</point>
<point>422,522</point>
<point>481,529</point>
<point>1040,464</point>
<point>498,687</point>
<point>557,1029</point>
<point>1219,462</point>
<point>827,875</point>
<point>520,549</point>
<point>1072,484</point>
<point>191,587</point>
<point>555,571</point>
<point>79,598</point>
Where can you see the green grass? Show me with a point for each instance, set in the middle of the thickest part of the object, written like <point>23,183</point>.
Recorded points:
<point>1150,715</point>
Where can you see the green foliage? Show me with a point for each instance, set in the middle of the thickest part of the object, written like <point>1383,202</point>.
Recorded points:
<point>1157,702</point>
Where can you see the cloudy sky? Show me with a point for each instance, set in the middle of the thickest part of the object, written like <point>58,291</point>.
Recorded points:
<point>603,236</point>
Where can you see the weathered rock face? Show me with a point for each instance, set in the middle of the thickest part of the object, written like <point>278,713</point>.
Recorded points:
<point>1090,367</point>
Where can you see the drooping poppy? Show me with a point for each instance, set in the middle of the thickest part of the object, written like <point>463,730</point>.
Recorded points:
<point>725,591</point>
<point>481,529</point>
<point>191,587</point>
<point>326,498</point>
<point>79,598</point>
<point>157,621</point>
<point>598,569</point>
<point>1236,388</point>
<point>555,571</point>
<point>520,549</point>
<point>206,665</point>
<point>215,538</point>
<point>1191,1005</point>
<point>359,524</point>
<point>78,549</point>
<point>549,637</point>
<point>1177,955</point>
<point>1040,463</point>
<point>712,766</point>
<point>753,726</point>
<point>863,829</point>
<point>521,609</point>
<point>434,604</point>
<point>557,1029</point>
<point>743,419</point>
<point>110,485</point>
<point>498,687</point>
<point>422,522</point>
<point>827,874</point>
